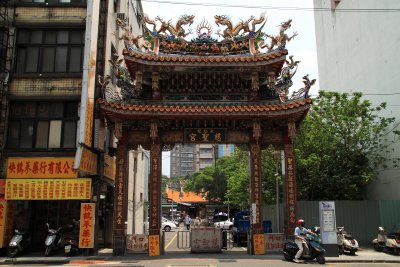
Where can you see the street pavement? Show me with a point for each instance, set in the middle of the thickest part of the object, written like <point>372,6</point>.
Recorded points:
<point>174,257</point>
<point>185,258</point>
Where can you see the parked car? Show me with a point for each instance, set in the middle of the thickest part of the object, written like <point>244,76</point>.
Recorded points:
<point>168,225</point>
<point>221,220</point>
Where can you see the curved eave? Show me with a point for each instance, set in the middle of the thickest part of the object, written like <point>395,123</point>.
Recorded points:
<point>124,112</point>
<point>274,59</point>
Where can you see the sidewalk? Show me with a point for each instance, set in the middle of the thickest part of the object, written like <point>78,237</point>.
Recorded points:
<point>105,257</point>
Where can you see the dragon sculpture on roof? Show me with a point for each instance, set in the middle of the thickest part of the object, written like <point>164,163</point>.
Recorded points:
<point>241,28</point>
<point>166,26</point>
<point>280,39</point>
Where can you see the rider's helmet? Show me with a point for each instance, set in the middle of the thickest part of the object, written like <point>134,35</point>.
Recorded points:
<point>300,222</point>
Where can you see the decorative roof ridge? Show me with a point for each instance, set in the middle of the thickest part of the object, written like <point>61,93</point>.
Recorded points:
<point>149,55</point>
<point>208,106</point>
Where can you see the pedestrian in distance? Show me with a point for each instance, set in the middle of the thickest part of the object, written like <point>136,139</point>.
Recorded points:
<point>187,221</point>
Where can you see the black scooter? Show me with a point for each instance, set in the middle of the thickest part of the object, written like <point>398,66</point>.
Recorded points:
<point>316,251</point>
<point>19,243</point>
<point>53,240</point>
<point>71,240</point>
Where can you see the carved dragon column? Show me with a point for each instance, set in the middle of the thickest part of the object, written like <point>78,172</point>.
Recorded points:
<point>155,248</point>
<point>290,180</point>
<point>120,199</point>
<point>257,236</point>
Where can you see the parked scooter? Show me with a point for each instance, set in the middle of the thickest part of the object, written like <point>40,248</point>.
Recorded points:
<point>346,242</point>
<point>384,242</point>
<point>71,240</point>
<point>53,240</point>
<point>19,243</point>
<point>316,251</point>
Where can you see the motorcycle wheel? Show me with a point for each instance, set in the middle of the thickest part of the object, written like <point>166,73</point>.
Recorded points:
<point>320,259</point>
<point>377,247</point>
<point>48,251</point>
<point>341,250</point>
<point>396,251</point>
<point>12,252</point>
<point>352,252</point>
<point>287,257</point>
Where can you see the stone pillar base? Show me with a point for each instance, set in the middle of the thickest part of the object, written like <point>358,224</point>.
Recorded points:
<point>119,245</point>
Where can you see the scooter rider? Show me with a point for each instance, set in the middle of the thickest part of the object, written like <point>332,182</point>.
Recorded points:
<point>300,238</point>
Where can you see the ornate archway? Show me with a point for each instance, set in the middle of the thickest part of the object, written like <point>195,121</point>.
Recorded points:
<point>203,91</point>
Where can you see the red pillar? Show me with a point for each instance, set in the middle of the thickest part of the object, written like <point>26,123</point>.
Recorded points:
<point>290,189</point>
<point>120,196</point>
<point>155,200</point>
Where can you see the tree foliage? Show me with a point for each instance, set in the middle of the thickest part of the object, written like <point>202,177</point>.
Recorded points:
<point>228,181</point>
<point>341,146</point>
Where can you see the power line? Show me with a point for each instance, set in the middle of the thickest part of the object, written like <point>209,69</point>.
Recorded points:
<point>276,8</point>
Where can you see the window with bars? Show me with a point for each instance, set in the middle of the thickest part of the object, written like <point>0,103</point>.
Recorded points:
<point>49,51</point>
<point>42,125</point>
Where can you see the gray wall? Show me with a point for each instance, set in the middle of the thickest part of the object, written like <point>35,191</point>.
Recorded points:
<point>358,52</point>
<point>360,218</point>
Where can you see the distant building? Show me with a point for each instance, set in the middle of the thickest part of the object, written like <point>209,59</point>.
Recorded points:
<point>187,159</point>
<point>358,52</point>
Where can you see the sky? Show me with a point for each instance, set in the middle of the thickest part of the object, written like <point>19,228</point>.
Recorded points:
<point>302,47</point>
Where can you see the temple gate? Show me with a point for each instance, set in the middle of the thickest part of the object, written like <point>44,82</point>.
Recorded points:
<point>229,91</point>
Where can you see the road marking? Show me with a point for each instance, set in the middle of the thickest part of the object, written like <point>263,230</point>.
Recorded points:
<point>170,242</point>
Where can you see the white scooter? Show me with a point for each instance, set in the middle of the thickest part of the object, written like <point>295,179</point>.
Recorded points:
<point>346,242</point>
<point>390,243</point>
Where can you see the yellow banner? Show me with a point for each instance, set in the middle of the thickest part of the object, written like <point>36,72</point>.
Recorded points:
<point>41,168</point>
<point>6,223</point>
<point>154,245</point>
<point>86,231</point>
<point>88,162</point>
<point>48,189</point>
<point>259,247</point>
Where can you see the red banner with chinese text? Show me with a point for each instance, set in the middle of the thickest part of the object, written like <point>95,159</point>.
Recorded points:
<point>48,189</point>
<point>154,245</point>
<point>259,245</point>
<point>86,231</point>
<point>6,222</point>
<point>41,168</point>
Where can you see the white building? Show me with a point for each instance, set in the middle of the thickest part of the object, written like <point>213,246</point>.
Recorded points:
<point>358,52</point>
<point>139,170</point>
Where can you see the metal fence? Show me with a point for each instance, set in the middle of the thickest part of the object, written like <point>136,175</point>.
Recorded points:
<point>360,218</point>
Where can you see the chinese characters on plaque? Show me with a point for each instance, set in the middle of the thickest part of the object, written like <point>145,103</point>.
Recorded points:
<point>259,244</point>
<point>137,244</point>
<point>86,231</point>
<point>48,189</point>
<point>201,135</point>
<point>274,242</point>
<point>205,239</point>
<point>154,245</point>
<point>290,188</point>
<point>41,168</point>
<point>88,162</point>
